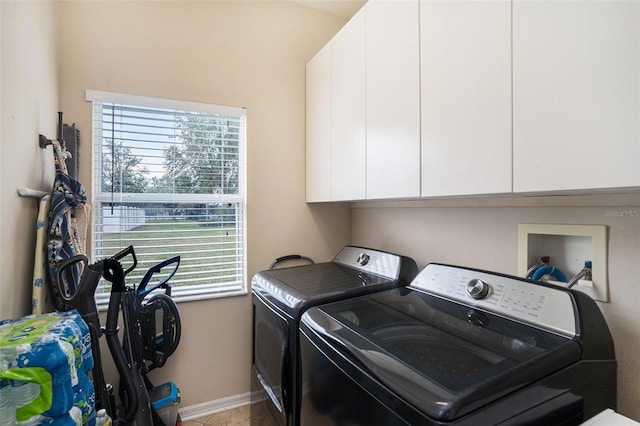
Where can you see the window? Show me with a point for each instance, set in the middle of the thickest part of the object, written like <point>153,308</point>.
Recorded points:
<point>169,179</point>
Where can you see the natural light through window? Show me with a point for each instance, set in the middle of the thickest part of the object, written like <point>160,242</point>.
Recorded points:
<point>169,179</point>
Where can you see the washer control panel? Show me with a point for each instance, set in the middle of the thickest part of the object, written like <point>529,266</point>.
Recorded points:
<point>370,261</point>
<point>544,307</point>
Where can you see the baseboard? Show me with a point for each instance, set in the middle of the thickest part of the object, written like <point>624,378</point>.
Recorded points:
<point>216,406</point>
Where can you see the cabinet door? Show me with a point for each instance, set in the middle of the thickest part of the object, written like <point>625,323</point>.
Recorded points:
<point>392,99</point>
<point>348,111</point>
<point>576,94</point>
<point>466,97</point>
<point>318,151</point>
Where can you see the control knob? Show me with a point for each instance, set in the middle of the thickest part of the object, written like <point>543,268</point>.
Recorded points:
<point>477,289</point>
<point>363,259</point>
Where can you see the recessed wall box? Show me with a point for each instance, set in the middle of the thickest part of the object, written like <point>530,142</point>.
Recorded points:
<point>568,247</point>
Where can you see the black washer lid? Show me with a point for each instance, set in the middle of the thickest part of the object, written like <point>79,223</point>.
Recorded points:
<point>426,349</point>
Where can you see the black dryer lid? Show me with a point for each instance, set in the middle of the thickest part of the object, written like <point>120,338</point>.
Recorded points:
<point>297,288</point>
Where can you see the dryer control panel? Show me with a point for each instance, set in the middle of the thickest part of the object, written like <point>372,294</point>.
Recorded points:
<point>370,261</point>
<point>548,308</point>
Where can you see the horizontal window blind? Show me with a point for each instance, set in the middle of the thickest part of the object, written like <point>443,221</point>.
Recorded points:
<point>170,181</point>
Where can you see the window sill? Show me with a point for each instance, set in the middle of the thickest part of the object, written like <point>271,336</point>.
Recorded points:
<point>103,305</point>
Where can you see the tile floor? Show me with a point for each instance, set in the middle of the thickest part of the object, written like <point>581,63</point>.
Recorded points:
<point>240,416</point>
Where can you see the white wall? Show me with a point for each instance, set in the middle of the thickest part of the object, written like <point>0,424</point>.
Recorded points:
<point>483,233</point>
<point>244,53</point>
<point>29,99</point>
<point>250,54</point>
<point>241,53</point>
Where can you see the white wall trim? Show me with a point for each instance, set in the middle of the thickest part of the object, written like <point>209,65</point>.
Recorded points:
<point>216,406</point>
<point>152,102</point>
<point>630,197</point>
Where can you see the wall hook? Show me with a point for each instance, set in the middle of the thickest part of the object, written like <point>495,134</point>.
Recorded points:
<point>43,141</point>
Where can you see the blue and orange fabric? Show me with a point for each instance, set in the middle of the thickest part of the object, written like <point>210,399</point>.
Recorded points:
<point>67,197</point>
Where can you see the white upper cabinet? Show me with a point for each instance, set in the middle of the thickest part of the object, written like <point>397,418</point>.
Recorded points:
<point>319,127</point>
<point>318,151</point>
<point>466,97</point>
<point>348,133</point>
<point>576,94</point>
<point>392,99</point>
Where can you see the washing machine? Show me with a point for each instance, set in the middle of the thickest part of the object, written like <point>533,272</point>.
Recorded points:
<point>458,346</point>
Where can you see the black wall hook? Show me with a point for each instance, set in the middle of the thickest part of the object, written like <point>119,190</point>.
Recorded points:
<point>44,142</point>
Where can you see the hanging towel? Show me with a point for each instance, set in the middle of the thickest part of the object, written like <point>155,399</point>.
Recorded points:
<point>79,223</point>
<point>67,197</point>
<point>41,300</point>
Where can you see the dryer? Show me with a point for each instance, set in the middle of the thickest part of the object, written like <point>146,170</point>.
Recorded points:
<point>281,296</point>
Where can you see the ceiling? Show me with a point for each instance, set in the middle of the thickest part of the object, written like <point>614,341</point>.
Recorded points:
<point>343,8</point>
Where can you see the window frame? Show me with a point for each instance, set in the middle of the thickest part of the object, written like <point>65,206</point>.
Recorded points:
<point>186,293</point>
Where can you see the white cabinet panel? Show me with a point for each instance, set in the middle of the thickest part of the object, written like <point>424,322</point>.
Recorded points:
<point>576,94</point>
<point>348,111</point>
<point>392,99</point>
<point>318,130</point>
<point>466,97</point>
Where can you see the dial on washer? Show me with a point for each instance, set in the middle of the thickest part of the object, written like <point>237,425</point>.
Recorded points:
<point>477,289</point>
